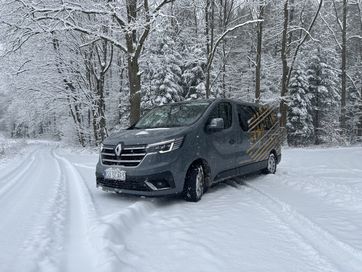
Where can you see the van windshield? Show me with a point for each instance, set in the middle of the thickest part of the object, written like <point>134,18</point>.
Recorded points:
<point>172,115</point>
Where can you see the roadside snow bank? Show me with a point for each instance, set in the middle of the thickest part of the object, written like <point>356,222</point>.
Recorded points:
<point>112,232</point>
<point>9,147</point>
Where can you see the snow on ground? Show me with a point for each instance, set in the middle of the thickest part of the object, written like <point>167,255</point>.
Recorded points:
<point>306,217</point>
<point>10,146</point>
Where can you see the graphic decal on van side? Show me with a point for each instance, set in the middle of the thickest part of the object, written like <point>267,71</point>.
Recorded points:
<point>265,133</point>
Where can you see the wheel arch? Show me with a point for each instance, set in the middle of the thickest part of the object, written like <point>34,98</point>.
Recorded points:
<point>205,165</point>
<point>273,151</point>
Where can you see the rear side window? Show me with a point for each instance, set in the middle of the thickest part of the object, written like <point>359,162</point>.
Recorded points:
<point>245,113</point>
<point>223,110</point>
<point>270,120</point>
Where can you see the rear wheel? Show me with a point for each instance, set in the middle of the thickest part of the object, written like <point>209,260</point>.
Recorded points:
<point>194,183</point>
<point>271,167</point>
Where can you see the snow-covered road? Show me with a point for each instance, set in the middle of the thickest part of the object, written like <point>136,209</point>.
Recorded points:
<point>307,217</point>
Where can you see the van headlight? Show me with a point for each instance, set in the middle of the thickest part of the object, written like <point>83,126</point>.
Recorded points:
<point>101,147</point>
<point>165,146</point>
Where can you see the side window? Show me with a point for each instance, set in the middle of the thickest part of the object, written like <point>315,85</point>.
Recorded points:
<point>273,118</point>
<point>256,127</point>
<point>270,120</point>
<point>245,113</point>
<point>223,110</point>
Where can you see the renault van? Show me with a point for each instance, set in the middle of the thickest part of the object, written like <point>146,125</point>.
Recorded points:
<point>184,148</point>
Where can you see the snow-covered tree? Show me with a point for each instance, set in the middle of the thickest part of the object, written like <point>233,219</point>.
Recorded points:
<point>163,72</point>
<point>300,121</point>
<point>323,86</point>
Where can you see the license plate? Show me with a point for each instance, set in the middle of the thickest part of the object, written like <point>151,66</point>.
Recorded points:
<point>115,173</point>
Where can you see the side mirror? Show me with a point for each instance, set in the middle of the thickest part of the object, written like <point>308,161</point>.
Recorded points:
<point>216,124</point>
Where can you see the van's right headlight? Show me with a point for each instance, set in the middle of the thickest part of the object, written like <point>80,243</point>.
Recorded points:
<point>165,146</point>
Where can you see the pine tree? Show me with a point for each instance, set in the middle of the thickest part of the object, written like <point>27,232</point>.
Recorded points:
<point>163,72</point>
<point>300,122</point>
<point>323,86</point>
<point>193,76</point>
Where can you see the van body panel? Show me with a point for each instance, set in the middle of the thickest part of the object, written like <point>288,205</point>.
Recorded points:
<point>251,133</point>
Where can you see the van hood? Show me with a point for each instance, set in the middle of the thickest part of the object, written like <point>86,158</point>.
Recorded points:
<point>144,136</point>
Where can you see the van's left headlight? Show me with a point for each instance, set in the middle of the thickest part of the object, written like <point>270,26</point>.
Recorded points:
<point>165,146</point>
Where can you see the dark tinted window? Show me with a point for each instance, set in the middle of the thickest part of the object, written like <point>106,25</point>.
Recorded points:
<point>270,120</point>
<point>223,110</point>
<point>245,113</point>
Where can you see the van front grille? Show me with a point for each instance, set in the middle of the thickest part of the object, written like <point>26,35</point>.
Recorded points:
<point>130,156</point>
<point>135,185</point>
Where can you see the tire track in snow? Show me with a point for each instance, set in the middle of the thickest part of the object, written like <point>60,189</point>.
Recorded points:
<point>11,178</point>
<point>328,189</point>
<point>172,235</point>
<point>26,211</point>
<point>343,256</point>
<point>79,255</point>
<point>102,239</point>
<point>293,235</point>
<point>48,240</point>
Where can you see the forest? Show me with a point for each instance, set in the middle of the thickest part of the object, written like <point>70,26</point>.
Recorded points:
<point>79,70</point>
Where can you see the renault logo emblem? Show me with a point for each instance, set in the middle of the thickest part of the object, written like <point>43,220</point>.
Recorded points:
<point>118,150</point>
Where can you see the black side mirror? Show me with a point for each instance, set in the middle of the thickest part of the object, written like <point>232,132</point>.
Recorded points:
<point>216,124</point>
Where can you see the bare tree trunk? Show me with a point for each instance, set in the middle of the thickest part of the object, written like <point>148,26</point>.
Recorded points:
<point>224,23</point>
<point>209,19</point>
<point>100,89</point>
<point>224,56</point>
<point>135,89</point>
<point>133,66</point>
<point>121,75</point>
<point>100,109</point>
<point>344,62</point>
<point>284,83</point>
<point>75,113</point>
<point>258,55</point>
<point>95,127</point>
<point>134,48</point>
<point>207,80</point>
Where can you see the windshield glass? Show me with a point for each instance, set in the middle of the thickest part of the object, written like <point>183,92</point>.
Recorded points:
<point>172,115</point>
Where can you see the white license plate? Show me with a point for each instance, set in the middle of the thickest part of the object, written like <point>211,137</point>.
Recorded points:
<point>115,173</point>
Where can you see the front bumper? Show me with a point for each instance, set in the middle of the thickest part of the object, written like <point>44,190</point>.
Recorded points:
<point>150,185</point>
<point>156,175</point>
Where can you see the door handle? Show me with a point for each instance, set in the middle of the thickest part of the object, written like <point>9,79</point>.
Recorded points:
<point>231,141</point>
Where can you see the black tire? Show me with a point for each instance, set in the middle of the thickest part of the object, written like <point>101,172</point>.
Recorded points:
<point>271,167</point>
<point>195,183</point>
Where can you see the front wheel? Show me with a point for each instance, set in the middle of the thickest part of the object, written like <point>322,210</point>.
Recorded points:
<point>194,183</point>
<point>271,165</point>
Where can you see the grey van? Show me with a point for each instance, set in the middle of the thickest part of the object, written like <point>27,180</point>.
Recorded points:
<point>184,148</point>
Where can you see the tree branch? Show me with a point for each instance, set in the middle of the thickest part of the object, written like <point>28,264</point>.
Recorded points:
<point>304,39</point>
<point>146,32</point>
<point>333,33</point>
<point>222,36</point>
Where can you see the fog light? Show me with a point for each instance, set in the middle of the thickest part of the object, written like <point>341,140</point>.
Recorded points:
<point>161,184</point>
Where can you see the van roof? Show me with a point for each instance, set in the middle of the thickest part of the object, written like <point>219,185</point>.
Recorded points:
<point>211,100</point>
